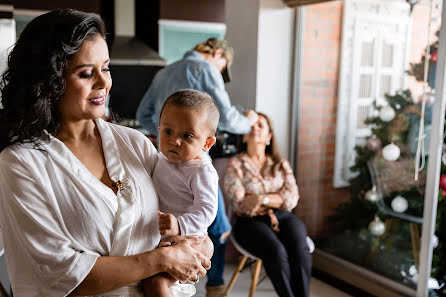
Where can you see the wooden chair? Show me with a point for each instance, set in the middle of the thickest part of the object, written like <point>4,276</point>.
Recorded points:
<point>245,255</point>
<point>257,265</point>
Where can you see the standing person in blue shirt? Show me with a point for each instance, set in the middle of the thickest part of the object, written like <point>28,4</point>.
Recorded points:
<point>205,68</point>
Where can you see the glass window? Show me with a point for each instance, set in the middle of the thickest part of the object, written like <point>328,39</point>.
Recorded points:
<point>362,201</point>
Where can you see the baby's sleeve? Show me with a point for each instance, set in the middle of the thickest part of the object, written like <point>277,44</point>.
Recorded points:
<point>204,185</point>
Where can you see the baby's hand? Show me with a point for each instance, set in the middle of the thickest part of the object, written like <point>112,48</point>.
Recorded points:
<point>168,224</point>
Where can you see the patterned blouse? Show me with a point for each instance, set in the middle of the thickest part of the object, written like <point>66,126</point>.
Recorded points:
<point>242,178</point>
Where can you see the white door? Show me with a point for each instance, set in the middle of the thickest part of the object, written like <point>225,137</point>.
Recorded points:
<point>374,60</point>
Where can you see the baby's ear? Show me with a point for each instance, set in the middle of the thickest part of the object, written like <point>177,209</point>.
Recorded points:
<point>209,143</point>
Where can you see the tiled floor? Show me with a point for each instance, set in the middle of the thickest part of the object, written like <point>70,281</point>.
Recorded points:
<point>265,288</point>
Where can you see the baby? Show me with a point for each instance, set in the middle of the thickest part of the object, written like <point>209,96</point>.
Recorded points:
<point>185,179</point>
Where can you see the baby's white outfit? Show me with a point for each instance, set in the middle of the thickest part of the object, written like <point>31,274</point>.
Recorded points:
<point>189,191</point>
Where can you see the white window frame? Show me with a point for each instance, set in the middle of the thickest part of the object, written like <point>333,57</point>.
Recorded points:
<point>357,14</point>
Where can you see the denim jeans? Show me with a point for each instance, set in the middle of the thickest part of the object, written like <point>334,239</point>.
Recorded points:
<point>215,231</point>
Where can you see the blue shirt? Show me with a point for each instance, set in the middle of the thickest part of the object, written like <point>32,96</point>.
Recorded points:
<point>191,72</point>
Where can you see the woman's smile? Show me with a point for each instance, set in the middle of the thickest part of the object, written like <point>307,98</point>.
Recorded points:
<point>97,100</point>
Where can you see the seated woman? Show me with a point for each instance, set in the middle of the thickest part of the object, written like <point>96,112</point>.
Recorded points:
<point>78,208</point>
<point>263,191</point>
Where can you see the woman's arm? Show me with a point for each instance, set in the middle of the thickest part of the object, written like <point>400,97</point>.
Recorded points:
<point>243,203</point>
<point>284,198</point>
<point>233,185</point>
<point>231,119</point>
<point>180,260</point>
<point>250,205</point>
<point>289,191</point>
<point>253,205</point>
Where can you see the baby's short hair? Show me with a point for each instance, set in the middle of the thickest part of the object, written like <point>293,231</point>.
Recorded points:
<point>197,100</point>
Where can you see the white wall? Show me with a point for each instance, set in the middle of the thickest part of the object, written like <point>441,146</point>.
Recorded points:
<point>274,64</point>
<point>125,18</point>
<point>261,32</point>
<point>241,32</point>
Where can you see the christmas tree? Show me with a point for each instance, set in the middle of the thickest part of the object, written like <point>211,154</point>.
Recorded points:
<point>395,126</point>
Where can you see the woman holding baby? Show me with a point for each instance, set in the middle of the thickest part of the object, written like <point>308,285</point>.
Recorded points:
<point>78,208</point>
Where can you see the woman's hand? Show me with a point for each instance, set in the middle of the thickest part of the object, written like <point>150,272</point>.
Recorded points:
<point>204,246</point>
<point>182,261</point>
<point>251,204</point>
<point>274,220</point>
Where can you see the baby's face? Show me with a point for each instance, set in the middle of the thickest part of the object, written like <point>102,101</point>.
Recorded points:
<point>183,132</point>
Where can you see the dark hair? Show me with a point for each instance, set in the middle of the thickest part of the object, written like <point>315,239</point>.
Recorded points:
<point>197,100</point>
<point>272,149</point>
<point>34,80</point>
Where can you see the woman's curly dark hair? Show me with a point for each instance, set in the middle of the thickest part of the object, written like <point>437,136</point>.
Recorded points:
<point>34,80</point>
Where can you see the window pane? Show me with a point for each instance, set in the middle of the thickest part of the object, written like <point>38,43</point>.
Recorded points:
<point>365,86</point>
<point>363,114</point>
<point>385,85</point>
<point>387,55</point>
<point>367,54</point>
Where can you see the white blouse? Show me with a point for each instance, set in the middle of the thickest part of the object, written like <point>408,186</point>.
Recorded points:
<point>57,218</point>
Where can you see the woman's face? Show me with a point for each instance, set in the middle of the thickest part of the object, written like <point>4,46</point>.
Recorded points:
<point>88,82</point>
<point>260,132</point>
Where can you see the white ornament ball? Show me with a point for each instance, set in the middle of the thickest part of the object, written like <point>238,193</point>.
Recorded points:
<point>391,152</point>
<point>435,241</point>
<point>371,195</point>
<point>377,227</point>
<point>399,204</point>
<point>413,270</point>
<point>386,114</point>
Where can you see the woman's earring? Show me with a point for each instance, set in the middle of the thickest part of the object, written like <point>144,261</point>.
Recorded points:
<point>268,142</point>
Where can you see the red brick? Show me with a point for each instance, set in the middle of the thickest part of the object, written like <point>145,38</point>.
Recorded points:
<point>318,115</point>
